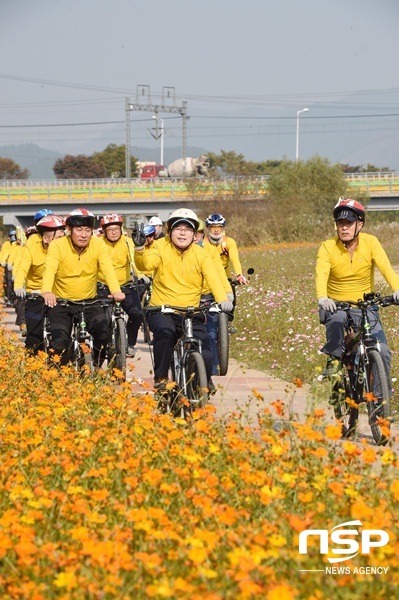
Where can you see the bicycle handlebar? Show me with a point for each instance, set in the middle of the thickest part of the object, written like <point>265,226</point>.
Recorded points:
<point>376,300</point>
<point>189,310</point>
<point>82,303</point>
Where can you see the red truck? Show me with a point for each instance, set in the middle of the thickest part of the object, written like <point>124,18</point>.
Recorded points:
<point>151,171</point>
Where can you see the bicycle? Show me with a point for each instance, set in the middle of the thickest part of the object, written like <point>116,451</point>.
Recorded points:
<point>363,377</point>
<point>223,330</point>
<point>188,382</point>
<point>80,350</point>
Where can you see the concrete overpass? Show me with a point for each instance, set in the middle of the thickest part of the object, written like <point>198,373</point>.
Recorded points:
<point>139,200</point>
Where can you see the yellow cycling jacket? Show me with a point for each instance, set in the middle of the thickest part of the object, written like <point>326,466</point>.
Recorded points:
<point>228,251</point>
<point>344,277</point>
<point>29,272</point>
<point>213,252</point>
<point>179,277</point>
<point>122,256</point>
<point>15,254</point>
<point>74,276</point>
<point>5,252</point>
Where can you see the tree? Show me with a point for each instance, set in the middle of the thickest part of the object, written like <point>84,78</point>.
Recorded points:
<point>9,169</point>
<point>78,167</point>
<point>113,158</point>
<point>364,169</point>
<point>302,198</point>
<point>232,164</point>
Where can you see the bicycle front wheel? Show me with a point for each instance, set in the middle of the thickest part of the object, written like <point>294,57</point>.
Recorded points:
<point>378,407</point>
<point>196,380</point>
<point>345,408</point>
<point>223,342</point>
<point>120,346</point>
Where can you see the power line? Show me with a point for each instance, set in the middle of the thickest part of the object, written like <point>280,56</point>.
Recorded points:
<point>233,118</point>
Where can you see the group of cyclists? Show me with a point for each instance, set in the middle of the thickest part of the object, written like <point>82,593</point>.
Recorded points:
<point>72,260</point>
<point>188,264</point>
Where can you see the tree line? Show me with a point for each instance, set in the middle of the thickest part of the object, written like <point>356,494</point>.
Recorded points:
<point>111,163</point>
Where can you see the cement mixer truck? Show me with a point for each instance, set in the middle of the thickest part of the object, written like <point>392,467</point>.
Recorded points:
<point>195,167</point>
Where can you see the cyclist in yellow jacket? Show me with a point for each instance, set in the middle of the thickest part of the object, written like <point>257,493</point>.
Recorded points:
<point>206,296</point>
<point>180,269</point>
<point>71,272</point>
<point>225,245</point>
<point>121,249</point>
<point>345,271</point>
<point>29,275</point>
<point>6,256</point>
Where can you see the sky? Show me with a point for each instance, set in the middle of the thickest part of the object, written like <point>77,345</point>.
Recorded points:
<point>244,67</point>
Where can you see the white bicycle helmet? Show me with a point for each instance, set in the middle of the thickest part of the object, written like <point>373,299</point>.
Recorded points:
<point>183,215</point>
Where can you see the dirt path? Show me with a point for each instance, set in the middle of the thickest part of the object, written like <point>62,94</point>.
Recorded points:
<point>246,390</point>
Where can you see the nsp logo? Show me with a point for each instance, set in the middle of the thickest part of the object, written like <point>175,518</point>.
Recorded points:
<point>337,535</point>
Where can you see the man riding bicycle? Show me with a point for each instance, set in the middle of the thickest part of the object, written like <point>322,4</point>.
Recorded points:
<point>180,269</point>
<point>29,275</point>
<point>71,272</point>
<point>345,271</point>
<point>226,246</point>
<point>121,250</point>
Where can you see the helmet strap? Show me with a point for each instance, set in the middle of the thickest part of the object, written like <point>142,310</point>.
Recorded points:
<point>357,231</point>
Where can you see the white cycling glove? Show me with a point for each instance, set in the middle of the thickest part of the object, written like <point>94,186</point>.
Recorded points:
<point>230,296</point>
<point>395,296</point>
<point>20,292</point>
<point>9,267</point>
<point>226,306</point>
<point>327,304</point>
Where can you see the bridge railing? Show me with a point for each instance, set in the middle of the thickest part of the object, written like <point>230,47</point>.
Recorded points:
<point>29,190</point>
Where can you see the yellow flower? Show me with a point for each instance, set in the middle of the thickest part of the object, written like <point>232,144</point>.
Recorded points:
<point>65,580</point>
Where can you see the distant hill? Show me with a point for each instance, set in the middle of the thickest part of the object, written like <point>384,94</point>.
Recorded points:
<point>39,161</point>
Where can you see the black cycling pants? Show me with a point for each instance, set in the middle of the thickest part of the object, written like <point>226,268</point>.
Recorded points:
<point>166,330</point>
<point>34,315</point>
<point>61,319</point>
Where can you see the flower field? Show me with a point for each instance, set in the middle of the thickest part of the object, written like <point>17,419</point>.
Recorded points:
<point>102,498</point>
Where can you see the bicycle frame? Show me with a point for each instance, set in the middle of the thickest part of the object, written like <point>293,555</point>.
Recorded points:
<point>187,364</point>
<point>185,344</point>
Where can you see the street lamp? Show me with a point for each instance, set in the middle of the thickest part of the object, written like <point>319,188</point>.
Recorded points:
<point>298,112</point>
<point>159,135</point>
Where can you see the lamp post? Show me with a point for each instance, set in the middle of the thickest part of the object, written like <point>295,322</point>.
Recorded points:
<point>298,112</point>
<point>157,135</point>
<point>161,121</point>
